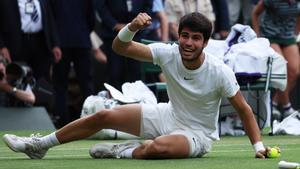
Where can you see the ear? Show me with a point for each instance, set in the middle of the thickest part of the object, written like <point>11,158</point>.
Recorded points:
<point>205,43</point>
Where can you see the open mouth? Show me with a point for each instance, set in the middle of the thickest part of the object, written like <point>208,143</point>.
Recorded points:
<point>188,52</point>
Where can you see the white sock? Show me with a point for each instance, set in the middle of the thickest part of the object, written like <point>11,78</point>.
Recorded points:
<point>49,141</point>
<point>127,153</point>
<point>287,106</point>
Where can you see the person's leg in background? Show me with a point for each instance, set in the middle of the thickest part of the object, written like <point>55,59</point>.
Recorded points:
<point>115,65</point>
<point>247,7</point>
<point>36,55</point>
<point>60,84</point>
<point>234,8</point>
<point>82,64</point>
<point>134,70</point>
<point>282,98</point>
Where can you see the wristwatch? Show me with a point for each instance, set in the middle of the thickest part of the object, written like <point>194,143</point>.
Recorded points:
<point>14,90</point>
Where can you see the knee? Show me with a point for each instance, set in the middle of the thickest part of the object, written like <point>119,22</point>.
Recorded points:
<point>98,118</point>
<point>157,149</point>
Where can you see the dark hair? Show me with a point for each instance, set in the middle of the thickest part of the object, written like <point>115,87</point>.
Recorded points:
<point>196,22</point>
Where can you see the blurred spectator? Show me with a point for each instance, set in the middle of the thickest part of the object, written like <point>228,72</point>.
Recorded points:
<point>99,69</point>
<point>7,89</point>
<point>175,9</point>
<point>97,52</point>
<point>159,29</point>
<point>240,11</point>
<point>280,25</point>
<point>28,34</point>
<point>75,21</point>
<point>222,27</point>
<point>115,14</point>
<point>99,62</point>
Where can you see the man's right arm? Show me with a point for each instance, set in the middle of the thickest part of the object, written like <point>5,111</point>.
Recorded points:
<point>123,44</point>
<point>26,96</point>
<point>250,125</point>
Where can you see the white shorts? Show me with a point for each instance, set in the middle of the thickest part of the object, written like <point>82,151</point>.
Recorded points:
<point>157,120</point>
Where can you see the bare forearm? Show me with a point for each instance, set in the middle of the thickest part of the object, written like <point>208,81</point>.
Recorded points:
<point>164,26</point>
<point>246,114</point>
<point>250,126</point>
<point>26,96</point>
<point>173,29</point>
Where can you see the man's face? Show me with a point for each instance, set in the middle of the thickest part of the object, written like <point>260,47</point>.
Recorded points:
<point>191,45</point>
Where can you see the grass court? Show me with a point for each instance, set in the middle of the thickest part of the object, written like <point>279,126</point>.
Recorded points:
<point>228,153</point>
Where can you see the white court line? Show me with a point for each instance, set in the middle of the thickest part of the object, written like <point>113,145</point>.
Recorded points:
<point>233,151</point>
<point>84,156</point>
<point>55,149</point>
<point>6,149</point>
<point>87,147</point>
<point>229,145</point>
<point>48,156</point>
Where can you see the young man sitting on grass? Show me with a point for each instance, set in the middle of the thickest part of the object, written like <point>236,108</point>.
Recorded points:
<point>186,126</point>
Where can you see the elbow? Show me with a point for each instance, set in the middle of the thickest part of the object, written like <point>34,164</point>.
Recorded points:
<point>116,46</point>
<point>120,48</point>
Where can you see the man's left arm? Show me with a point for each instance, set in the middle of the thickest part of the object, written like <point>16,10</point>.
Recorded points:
<point>250,125</point>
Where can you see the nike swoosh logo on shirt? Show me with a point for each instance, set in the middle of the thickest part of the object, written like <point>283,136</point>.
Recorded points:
<point>186,78</point>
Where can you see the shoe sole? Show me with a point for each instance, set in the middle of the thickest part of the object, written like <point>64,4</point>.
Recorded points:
<point>7,142</point>
<point>94,152</point>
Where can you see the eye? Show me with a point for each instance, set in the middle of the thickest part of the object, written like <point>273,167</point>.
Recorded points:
<point>184,35</point>
<point>196,38</point>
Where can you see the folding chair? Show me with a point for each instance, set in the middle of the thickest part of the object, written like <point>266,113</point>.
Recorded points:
<point>257,87</point>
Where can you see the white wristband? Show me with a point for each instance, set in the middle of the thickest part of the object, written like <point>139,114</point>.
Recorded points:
<point>258,146</point>
<point>125,35</point>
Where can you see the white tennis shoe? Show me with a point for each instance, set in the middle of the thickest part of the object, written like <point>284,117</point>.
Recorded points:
<point>112,150</point>
<point>31,146</point>
<point>288,112</point>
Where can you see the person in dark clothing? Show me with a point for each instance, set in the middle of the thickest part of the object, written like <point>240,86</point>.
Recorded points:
<point>75,21</point>
<point>28,34</point>
<point>222,26</point>
<point>115,14</point>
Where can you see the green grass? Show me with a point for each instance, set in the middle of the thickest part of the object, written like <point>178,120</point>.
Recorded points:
<point>229,153</point>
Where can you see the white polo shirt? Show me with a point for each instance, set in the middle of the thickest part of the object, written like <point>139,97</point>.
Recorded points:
<point>195,95</point>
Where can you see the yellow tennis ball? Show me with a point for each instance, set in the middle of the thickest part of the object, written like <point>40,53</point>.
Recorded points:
<point>273,153</point>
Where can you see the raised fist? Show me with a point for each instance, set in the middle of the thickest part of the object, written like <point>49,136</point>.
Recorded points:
<point>141,21</point>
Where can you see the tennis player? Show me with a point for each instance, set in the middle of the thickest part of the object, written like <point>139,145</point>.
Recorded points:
<point>182,128</point>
